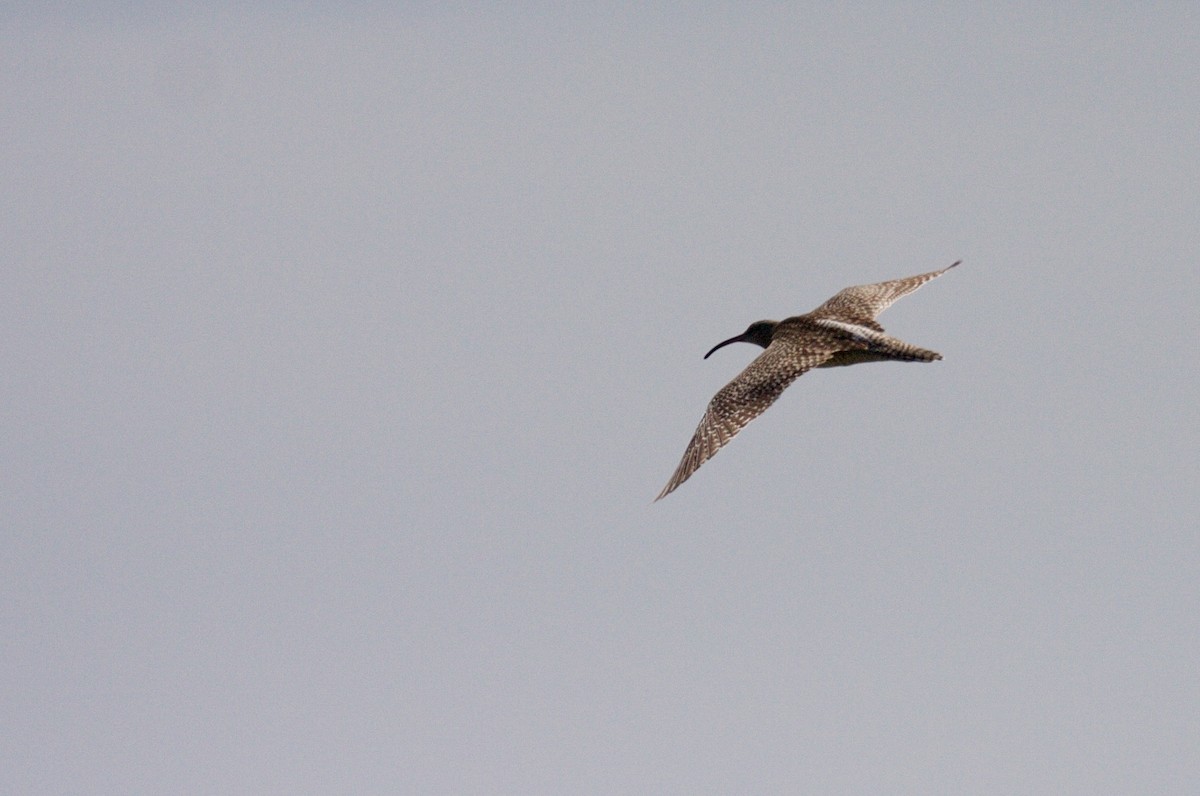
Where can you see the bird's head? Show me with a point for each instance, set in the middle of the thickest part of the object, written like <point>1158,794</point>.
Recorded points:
<point>759,333</point>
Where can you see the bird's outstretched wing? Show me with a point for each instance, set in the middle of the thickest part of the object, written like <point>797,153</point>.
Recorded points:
<point>862,304</point>
<point>745,398</point>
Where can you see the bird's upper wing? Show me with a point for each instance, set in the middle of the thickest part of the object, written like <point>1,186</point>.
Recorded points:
<point>747,397</point>
<point>862,304</point>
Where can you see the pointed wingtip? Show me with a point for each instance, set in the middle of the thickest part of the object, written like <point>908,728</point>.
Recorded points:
<point>671,486</point>
<point>951,265</point>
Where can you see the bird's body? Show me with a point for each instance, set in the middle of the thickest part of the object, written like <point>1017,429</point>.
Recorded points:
<point>842,331</point>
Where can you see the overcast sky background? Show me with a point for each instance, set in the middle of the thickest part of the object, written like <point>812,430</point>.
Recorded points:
<point>345,351</point>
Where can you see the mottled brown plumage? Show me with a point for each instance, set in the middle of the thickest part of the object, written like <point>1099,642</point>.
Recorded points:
<point>842,331</point>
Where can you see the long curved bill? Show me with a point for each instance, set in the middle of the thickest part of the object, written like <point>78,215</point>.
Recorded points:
<point>741,338</point>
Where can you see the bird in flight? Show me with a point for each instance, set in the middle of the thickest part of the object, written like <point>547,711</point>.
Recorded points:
<point>842,331</point>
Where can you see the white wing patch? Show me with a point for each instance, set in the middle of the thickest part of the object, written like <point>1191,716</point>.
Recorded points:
<point>857,331</point>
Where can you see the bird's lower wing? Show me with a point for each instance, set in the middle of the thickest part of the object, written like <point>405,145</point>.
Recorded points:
<point>863,303</point>
<point>742,400</point>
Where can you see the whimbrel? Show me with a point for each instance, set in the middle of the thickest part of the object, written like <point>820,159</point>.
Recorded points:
<point>842,331</point>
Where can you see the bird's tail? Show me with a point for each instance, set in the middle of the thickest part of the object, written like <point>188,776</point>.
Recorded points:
<point>876,346</point>
<point>892,348</point>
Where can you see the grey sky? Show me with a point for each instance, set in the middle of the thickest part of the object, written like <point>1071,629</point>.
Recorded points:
<point>344,353</point>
